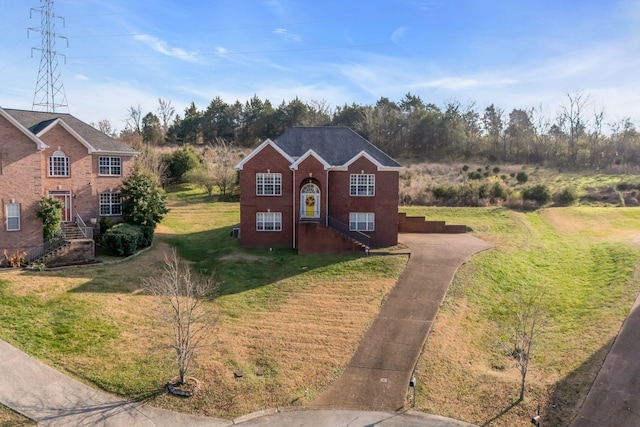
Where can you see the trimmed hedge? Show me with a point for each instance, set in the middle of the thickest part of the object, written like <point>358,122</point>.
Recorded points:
<point>124,239</point>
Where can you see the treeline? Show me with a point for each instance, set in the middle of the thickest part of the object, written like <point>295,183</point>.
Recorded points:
<point>577,136</point>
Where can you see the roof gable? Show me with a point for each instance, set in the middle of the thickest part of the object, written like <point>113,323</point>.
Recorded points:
<point>308,154</point>
<point>50,124</point>
<point>40,145</point>
<point>39,122</point>
<point>267,143</point>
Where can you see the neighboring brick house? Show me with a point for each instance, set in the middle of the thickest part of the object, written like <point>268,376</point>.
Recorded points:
<point>57,155</point>
<point>318,190</point>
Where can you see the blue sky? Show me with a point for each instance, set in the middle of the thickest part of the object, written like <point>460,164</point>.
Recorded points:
<point>515,54</point>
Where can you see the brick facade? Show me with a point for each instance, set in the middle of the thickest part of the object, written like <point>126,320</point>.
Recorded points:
<point>25,178</point>
<point>315,234</point>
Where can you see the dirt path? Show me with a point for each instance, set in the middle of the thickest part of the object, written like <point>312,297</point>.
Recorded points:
<point>377,377</point>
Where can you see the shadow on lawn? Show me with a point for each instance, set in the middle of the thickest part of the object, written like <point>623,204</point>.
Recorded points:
<point>567,395</point>
<point>209,251</point>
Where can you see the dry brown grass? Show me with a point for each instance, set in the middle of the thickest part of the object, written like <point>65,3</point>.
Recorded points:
<point>300,337</point>
<point>8,418</point>
<point>300,343</point>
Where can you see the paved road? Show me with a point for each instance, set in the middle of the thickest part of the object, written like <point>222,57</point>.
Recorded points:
<point>614,398</point>
<point>390,350</point>
<point>377,377</point>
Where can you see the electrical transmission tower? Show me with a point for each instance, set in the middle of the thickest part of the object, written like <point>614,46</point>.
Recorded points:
<point>49,94</point>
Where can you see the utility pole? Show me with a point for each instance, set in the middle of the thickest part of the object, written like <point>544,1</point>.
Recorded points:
<point>49,94</point>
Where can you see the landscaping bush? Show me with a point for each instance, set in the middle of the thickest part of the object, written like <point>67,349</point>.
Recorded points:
<point>123,239</point>
<point>182,161</point>
<point>566,197</point>
<point>474,175</point>
<point>539,193</point>
<point>147,235</point>
<point>496,170</point>
<point>499,192</point>
<point>445,193</point>
<point>522,177</point>
<point>626,186</point>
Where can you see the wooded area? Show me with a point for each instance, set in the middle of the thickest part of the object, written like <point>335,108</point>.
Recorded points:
<point>577,135</point>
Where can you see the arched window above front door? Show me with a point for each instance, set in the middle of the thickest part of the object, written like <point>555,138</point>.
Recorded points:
<point>310,189</point>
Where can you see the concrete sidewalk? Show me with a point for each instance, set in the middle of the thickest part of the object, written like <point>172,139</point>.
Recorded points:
<point>377,377</point>
<point>614,398</point>
<point>53,399</point>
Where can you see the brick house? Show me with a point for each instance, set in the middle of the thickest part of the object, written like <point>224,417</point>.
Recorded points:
<point>318,190</point>
<point>56,155</point>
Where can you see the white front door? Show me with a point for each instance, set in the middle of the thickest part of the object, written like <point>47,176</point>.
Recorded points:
<point>310,201</point>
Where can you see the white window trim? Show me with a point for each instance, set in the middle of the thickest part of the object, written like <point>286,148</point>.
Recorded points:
<point>276,184</point>
<point>356,183</point>
<point>264,218</point>
<point>110,203</point>
<point>366,218</point>
<point>59,155</point>
<point>12,215</point>
<point>110,166</point>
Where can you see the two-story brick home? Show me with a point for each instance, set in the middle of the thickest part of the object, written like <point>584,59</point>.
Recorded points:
<point>56,155</point>
<point>318,190</point>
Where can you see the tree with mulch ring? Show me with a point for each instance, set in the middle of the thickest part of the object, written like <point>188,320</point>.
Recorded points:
<point>188,322</point>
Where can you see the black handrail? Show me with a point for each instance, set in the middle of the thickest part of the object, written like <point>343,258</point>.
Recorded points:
<point>49,246</point>
<point>342,228</point>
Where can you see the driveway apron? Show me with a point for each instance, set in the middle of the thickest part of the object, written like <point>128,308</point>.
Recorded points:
<point>614,398</point>
<point>378,375</point>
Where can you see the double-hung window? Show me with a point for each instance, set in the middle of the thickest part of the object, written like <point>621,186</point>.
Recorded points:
<point>269,221</point>
<point>13,216</point>
<point>269,184</point>
<point>58,164</point>
<point>110,204</point>
<point>362,185</point>
<point>109,166</point>
<point>361,221</point>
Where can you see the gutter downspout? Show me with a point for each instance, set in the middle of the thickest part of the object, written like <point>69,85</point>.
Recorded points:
<point>293,217</point>
<point>326,204</point>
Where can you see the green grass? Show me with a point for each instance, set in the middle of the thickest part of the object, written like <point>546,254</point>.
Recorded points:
<point>588,284</point>
<point>94,322</point>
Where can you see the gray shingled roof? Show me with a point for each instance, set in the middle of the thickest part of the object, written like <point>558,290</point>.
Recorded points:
<point>36,121</point>
<point>336,145</point>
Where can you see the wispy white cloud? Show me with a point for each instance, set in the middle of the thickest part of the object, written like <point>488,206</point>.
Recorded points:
<point>398,35</point>
<point>286,35</point>
<point>81,77</point>
<point>163,47</point>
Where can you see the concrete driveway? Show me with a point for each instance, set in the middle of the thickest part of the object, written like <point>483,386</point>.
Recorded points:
<point>377,377</point>
<point>614,398</point>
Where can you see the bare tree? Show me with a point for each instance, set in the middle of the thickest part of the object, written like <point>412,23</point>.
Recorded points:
<point>526,322</point>
<point>181,298</point>
<point>105,127</point>
<point>572,116</point>
<point>133,121</point>
<point>218,169</point>
<point>166,114</point>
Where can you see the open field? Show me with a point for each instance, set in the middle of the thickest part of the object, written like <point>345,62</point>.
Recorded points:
<point>419,180</point>
<point>297,320</point>
<point>584,261</point>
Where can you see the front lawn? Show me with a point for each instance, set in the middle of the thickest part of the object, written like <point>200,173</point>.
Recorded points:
<point>291,323</point>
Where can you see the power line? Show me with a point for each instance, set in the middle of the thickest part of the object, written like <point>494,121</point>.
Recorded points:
<point>49,94</point>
